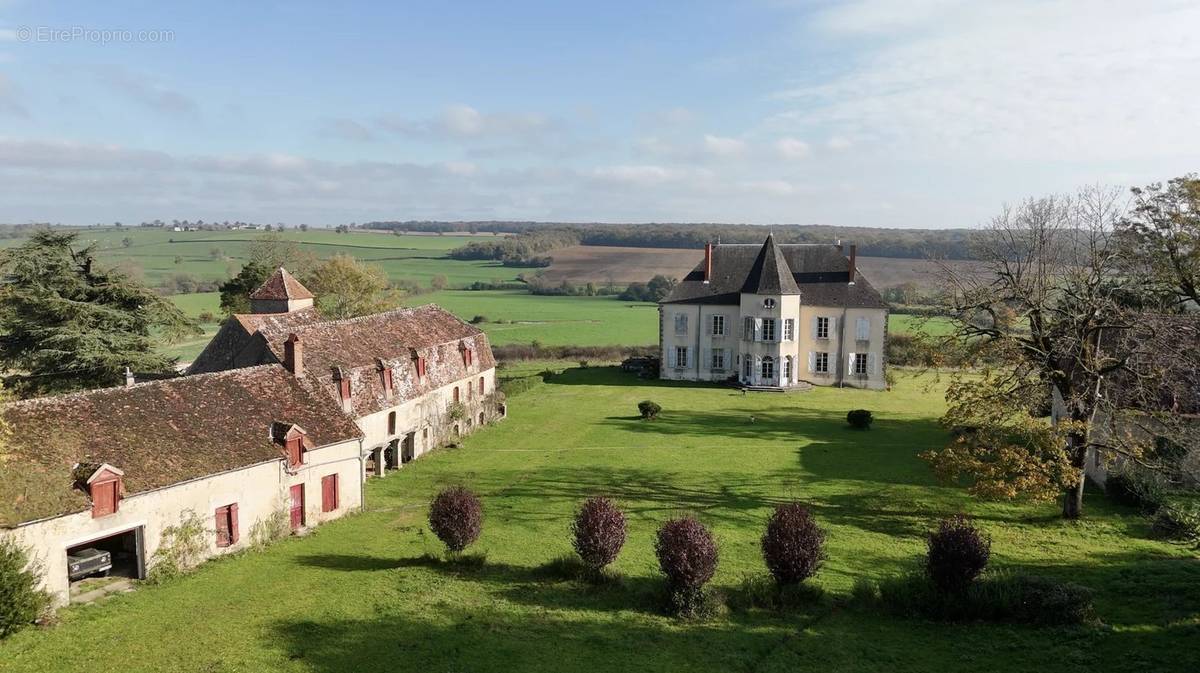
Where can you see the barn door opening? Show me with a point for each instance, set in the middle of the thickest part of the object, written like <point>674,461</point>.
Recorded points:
<point>297,509</point>
<point>409,448</point>
<point>94,564</point>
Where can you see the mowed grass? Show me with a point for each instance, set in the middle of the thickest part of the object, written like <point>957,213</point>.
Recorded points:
<point>366,594</point>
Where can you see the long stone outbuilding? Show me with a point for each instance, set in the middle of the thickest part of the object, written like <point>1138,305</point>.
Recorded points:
<point>276,428</point>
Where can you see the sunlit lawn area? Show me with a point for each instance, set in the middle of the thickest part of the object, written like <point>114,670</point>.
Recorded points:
<point>361,594</point>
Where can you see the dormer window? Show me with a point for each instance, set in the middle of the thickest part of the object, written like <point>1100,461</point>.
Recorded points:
<point>342,380</point>
<point>385,379</point>
<point>294,440</point>
<point>105,485</point>
<point>420,367</point>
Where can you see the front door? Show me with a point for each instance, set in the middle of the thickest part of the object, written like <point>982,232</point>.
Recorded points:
<point>297,506</point>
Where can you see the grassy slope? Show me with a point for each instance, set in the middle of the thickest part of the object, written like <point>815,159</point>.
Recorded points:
<point>358,595</point>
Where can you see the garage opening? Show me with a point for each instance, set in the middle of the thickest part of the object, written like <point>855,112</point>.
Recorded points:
<point>106,563</point>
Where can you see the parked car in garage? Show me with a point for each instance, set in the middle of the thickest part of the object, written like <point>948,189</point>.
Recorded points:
<point>87,562</point>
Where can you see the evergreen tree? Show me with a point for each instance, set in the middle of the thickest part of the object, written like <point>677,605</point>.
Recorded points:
<point>235,292</point>
<point>66,323</point>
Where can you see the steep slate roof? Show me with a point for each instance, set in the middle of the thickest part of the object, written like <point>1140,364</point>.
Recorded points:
<point>770,273</point>
<point>236,333</point>
<point>281,286</point>
<point>819,273</point>
<point>159,433</point>
<point>357,345</point>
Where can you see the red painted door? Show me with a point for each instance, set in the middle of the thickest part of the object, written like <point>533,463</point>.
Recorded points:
<point>297,506</point>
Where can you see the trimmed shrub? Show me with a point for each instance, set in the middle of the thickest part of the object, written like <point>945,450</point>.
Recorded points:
<point>1136,488</point>
<point>860,419</point>
<point>649,410</point>
<point>599,530</point>
<point>1177,521</point>
<point>456,517</point>
<point>792,545</point>
<point>958,553</point>
<point>21,601</point>
<point>687,555</point>
<point>998,597</point>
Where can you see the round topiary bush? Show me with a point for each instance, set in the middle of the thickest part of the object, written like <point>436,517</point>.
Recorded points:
<point>793,545</point>
<point>687,555</point>
<point>649,409</point>
<point>21,601</point>
<point>958,553</point>
<point>859,419</point>
<point>599,530</point>
<point>456,517</point>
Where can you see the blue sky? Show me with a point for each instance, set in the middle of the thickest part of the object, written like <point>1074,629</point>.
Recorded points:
<point>872,112</point>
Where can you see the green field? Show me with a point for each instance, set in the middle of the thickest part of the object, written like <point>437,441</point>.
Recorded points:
<point>410,257</point>
<point>365,593</point>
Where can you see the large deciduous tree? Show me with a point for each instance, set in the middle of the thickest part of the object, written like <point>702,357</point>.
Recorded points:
<point>1053,308</point>
<point>1164,229</point>
<point>235,292</point>
<point>348,288</point>
<point>67,323</point>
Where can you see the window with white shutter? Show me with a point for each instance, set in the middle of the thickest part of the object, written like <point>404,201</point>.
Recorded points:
<point>748,328</point>
<point>812,362</point>
<point>862,329</point>
<point>681,321</point>
<point>789,329</point>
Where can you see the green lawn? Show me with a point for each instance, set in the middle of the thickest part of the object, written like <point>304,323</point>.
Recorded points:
<point>361,595</point>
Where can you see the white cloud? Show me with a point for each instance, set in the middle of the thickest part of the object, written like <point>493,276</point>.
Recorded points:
<point>791,148</point>
<point>1089,80</point>
<point>723,147</point>
<point>461,121</point>
<point>838,143</point>
<point>10,102</point>
<point>641,175</point>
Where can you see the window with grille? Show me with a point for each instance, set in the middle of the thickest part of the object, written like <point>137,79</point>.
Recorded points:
<point>821,363</point>
<point>768,329</point>
<point>718,358</point>
<point>789,329</point>
<point>822,328</point>
<point>860,363</point>
<point>718,325</point>
<point>681,356</point>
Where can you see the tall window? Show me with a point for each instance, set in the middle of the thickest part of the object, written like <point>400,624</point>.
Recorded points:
<point>746,365</point>
<point>681,323</point>
<point>860,362</point>
<point>457,395</point>
<point>386,374</point>
<point>718,325</point>
<point>481,385</point>
<point>822,328</point>
<point>748,329</point>
<point>862,329</point>
<point>789,329</point>
<point>768,367</point>
<point>681,356</point>
<point>768,329</point>
<point>391,422</point>
<point>718,359</point>
<point>821,363</point>
<point>787,369</point>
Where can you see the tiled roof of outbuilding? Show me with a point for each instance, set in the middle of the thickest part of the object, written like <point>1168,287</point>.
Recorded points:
<point>281,286</point>
<point>820,273</point>
<point>159,433</point>
<point>236,332</point>
<point>356,345</point>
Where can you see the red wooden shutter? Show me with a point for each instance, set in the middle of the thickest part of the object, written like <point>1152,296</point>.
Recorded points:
<point>420,367</point>
<point>387,383</point>
<point>297,510</point>
<point>104,497</point>
<point>233,523</point>
<point>222,526</point>
<point>295,452</point>
<point>329,493</point>
<point>456,394</point>
<point>480,385</point>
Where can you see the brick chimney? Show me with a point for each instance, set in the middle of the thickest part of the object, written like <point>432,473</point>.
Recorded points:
<point>853,253</point>
<point>293,355</point>
<point>708,250</point>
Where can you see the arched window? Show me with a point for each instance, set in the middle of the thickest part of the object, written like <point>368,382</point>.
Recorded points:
<point>787,369</point>
<point>456,394</point>
<point>391,423</point>
<point>768,367</point>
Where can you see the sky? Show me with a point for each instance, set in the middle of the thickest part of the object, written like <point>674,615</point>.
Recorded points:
<point>889,113</point>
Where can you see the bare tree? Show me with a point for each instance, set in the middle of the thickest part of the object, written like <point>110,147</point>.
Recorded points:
<point>1057,310</point>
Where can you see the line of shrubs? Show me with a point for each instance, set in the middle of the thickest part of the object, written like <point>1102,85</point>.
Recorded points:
<point>1172,518</point>
<point>952,585</point>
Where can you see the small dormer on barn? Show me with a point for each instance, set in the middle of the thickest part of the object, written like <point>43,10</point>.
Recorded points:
<point>282,293</point>
<point>294,441</point>
<point>341,379</point>
<point>104,485</point>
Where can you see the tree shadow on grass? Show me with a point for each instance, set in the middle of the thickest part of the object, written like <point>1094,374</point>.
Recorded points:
<point>614,376</point>
<point>349,562</point>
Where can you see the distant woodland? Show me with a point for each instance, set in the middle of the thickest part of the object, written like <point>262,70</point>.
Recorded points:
<point>535,239</point>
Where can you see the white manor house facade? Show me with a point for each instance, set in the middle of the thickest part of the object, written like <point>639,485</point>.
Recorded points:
<point>775,316</point>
